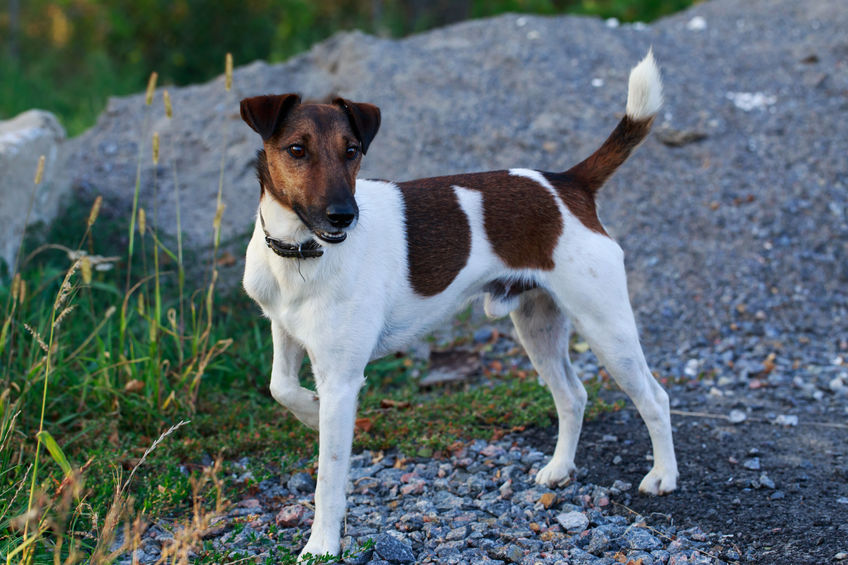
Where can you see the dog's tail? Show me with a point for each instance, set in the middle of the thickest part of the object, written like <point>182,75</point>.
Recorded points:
<point>644,98</point>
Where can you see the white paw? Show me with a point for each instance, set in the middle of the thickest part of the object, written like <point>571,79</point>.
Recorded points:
<point>659,481</point>
<point>314,552</point>
<point>556,473</point>
<point>320,545</point>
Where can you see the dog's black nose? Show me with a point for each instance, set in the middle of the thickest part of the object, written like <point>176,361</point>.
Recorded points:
<point>341,215</point>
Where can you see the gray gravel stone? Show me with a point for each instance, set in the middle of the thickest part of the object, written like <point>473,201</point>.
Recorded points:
<point>573,522</point>
<point>301,482</point>
<point>393,550</point>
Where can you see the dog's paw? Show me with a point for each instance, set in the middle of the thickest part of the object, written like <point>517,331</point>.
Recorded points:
<point>556,474</point>
<point>315,550</point>
<point>659,481</point>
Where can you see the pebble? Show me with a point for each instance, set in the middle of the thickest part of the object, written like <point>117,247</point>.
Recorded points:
<point>290,516</point>
<point>392,549</point>
<point>753,464</point>
<point>786,420</point>
<point>737,417</point>
<point>301,482</point>
<point>573,522</point>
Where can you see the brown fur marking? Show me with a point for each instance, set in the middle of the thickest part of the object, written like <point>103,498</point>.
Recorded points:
<point>579,200</point>
<point>594,171</point>
<point>438,236</point>
<point>324,174</point>
<point>521,218</point>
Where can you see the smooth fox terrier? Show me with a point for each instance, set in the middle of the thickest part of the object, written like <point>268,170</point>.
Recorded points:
<point>349,270</point>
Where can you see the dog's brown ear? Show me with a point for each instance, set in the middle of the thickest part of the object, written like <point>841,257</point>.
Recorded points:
<point>364,120</point>
<point>265,114</point>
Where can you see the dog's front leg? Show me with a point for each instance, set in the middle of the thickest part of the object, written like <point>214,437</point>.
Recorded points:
<point>285,386</point>
<point>335,434</point>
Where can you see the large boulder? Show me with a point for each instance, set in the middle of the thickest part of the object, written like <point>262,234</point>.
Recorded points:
<point>743,180</point>
<point>23,140</point>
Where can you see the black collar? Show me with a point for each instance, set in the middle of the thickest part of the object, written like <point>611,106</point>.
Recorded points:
<point>305,250</point>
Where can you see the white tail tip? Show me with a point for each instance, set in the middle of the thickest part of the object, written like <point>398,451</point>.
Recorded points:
<point>644,92</point>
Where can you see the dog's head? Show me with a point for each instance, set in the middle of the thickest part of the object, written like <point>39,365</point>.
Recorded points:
<point>311,156</point>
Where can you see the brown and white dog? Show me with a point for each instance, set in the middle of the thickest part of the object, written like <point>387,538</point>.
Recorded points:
<point>348,270</point>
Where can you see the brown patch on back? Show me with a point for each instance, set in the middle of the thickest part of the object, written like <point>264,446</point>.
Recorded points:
<point>579,200</point>
<point>521,218</point>
<point>438,236</point>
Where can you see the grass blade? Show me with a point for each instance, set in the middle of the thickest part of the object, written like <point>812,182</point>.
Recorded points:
<point>55,451</point>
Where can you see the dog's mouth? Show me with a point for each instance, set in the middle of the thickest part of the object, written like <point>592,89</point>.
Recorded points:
<point>324,235</point>
<point>330,237</point>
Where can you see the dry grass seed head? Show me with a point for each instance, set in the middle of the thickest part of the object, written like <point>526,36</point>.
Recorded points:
<point>151,88</point>
<point>85,269</point>
<point>169,110</point>
<point>95,210</point>
<point>36,336</point>
<point>67,310</point>
<point>228,66</point>
<point>155,148</point>
<point>142,221</point>
<point>39,170</point>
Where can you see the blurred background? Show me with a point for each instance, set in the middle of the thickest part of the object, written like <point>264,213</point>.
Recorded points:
<point>69,56</point>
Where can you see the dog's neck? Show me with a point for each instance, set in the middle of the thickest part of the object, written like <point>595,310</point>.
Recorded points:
<point>285,234</point>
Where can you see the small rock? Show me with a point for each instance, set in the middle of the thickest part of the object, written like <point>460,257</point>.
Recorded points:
<point>786,420</point>
<point>393,550</point>
<point>841,556</point>
<point>290,516</point>
<point>638,538</point>
<point>737,417</point>
<point>766,481</point>
<point>547,499</point>
<point>573,522</point>
<point>492,451</point>
<point>697,23</point>
<point>301,482</point>
<point>620,486</point>
<point>506,490</point>
<point>483,335</point>
<point>753,464</point>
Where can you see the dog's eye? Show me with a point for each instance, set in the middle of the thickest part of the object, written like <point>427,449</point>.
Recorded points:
<point>352,152</point>
<point>297,151</point>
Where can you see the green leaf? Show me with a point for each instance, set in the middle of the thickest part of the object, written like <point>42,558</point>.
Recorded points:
<point>55,451</point>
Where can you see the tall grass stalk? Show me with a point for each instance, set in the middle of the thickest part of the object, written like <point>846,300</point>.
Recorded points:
<point>148,100</point>
<point>179,325</point>
<point>58,312</point>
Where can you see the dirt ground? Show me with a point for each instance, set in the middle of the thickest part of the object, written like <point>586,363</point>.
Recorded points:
<point>802,518</point>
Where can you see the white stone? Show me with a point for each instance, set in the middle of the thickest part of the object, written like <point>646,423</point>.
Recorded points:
<point>697,23</point>
<point>23,140</point>
<point>573,522</point>
<point>737,417</point>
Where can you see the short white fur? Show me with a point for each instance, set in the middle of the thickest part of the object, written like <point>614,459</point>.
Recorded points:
<point>644,90</point>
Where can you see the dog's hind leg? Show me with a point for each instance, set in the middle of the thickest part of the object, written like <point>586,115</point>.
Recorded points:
<point>593,289</point>
<point>285,386</point>
<point>544,331</point>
